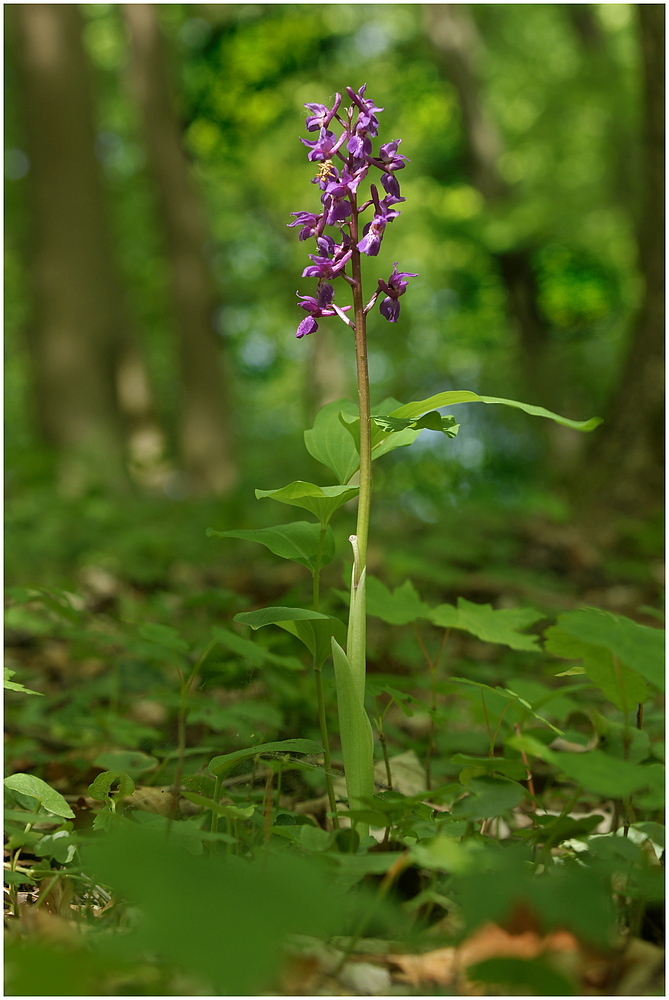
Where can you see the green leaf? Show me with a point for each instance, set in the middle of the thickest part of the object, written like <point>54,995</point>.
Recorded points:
<point>11,685</point>
<point>622,686</point>
<point>130,761</point>
<point>322,501</point>
<point>219,808</point>
<point>253,653</point>
<point>489,797</point>
<point>298,541</point>
<point>638,646</point>
<point>163,636</point>
<point>594,770</point>
<point>526,975</point>
<point>416,409</point>
<point>510,768</point>
<point>222,764</point>
<point>357,741</point>
<point>490,625</point>
<point>101,788</point>
<point>329,442</point>
<point>400,607</point>
<point>508,695</point>
<point>310,627</point>
<point>49,798</point>
<point>432,421</point>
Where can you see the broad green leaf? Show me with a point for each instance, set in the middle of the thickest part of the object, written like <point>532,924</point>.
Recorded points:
<point>638,646</point>
<point>329,442</point>
<point>101,788</point>
<point>416,409</point>
<point>622,686</point>
<point>357,741</point>
<point>11,685</point>
<point>310,627</point>
<point>255,654</point>
<point>49,798</point>
<point>400,607</point>
<point>594,770</point>
<point>221,764</point>
<point>500,626</point>
<point>322,501</point>
<point>432,421</point>
<point>298,541</point>
<point>489,797</point>
<point>508,695</point>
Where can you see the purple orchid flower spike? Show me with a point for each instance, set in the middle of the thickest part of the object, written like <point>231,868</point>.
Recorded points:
<point>344,161</point>
<point>316,307</point>
<point>394,287</point>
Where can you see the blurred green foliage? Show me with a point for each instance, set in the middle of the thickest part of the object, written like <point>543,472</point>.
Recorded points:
<point>569,119</point>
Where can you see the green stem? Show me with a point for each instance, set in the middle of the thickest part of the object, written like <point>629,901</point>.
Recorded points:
<point>364,499</point>
<point>322,719</point>
<point>317,570</point>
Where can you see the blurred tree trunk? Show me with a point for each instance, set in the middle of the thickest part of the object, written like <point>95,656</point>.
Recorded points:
<point>205,437</point>
<point>76,331</point>
<point>455,41</point>
<point>624,470</point>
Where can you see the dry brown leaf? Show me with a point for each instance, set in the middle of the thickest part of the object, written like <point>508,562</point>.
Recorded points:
<point>490,941</point>
<point>436,966</point>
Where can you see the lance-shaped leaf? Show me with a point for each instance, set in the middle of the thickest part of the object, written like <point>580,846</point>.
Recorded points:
<point>638,646</point>
<point>622,686</point>
<point>35,788</point>
<point>399,607</point>
<point>357,741</point>
<point>298,541</point>
<point>11,685</point>
<point>508,695</point>
<point>222,764</point>
<point>254,654</point>
<point>322,501</point>
<point>419,407</point>
<point>310,627</point>
<point>490,625</point>
<point>330,443</point>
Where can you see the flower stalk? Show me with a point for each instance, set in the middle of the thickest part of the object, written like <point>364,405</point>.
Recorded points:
<point>344,163</point>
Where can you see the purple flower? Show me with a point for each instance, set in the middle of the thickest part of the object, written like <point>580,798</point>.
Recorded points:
<point>320,116</point>
<point>309,220</point>
<point>318,306</point>
<point>325,147</point>
<point>366,118</point>
<point>374,230</point>
<point>325,267</point>
<point>388,154</point>
<point>396,286</point>
<point>337,194</point>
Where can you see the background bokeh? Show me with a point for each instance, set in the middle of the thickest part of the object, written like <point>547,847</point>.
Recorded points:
<point>532,217</point>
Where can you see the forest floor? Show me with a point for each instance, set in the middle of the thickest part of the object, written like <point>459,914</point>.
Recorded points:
<point>105,639</point>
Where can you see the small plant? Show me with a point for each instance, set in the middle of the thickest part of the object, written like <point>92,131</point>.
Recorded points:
<point>348,438</point>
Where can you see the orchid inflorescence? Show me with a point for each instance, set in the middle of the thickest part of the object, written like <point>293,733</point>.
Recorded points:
<point>339,187</point>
